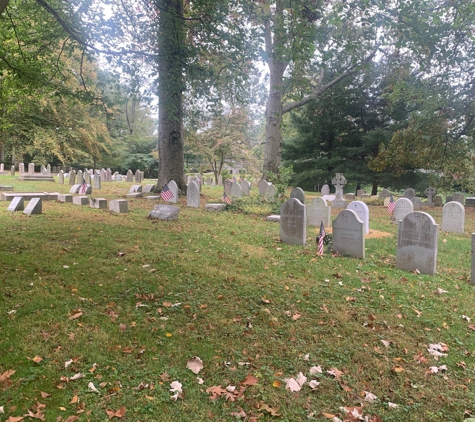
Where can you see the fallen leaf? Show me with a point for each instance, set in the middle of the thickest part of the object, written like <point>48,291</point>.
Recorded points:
<point>277,384</point>
<point>77,376</point>
<point>195,364</point>
<point>392,405</point>
<point>200,380</point>
<point>268,409</point>
<point>301,379</point>
<point>44,395</point>
<point>37,359</point>
<point>250,380</point>
<point>120,413</point>
<point>240,414</point>
<point>176,386</point>
<point>313,384</point>
<point>74,400</point>
<point>76,315</point>
<point>335,372</point>
<point>292,385</point>
<point>92,387</point>
<point>369,397</point>
<point>72,418</point>
<point>314,370</point>
<point>14,419</point>
<point>215,391</point>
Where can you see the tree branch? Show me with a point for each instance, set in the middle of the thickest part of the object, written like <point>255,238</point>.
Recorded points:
<point>319,89</point>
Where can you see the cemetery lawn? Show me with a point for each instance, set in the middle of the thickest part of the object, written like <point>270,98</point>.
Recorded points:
<point>101,314</point>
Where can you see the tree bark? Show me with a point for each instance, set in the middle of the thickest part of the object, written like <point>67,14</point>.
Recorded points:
<point>3,5</point>
<point>171,161</point>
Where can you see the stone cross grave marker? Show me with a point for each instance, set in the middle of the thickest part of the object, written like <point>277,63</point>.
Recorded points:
<point>348,234</point>
<point>430,193</point>
<point>362,210</point>
<point>453,217</point>
<point>293,222</point>
<point>299,194</point>
<point>339,182</point>
<point>417,243</point>
<point>193,195</point>
<point>319,211</point>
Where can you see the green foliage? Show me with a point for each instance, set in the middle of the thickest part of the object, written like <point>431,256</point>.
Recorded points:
<point>281,180</point>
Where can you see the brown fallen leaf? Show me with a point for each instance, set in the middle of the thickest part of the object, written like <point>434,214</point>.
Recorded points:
<point>120,413</point>
<point>240,414</point>
<point>216,391</point>
<point>195,364</point>
<point>76,315</point>
<point>72,418</point>
<point>268,409</point>
<point>250,380</point>
<point>37,415</point>
<point>14,419</point>
<point>44,395</point>
<point>37,359</point>
<point>74,400</point>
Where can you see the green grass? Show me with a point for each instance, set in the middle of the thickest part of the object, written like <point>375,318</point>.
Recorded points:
<point>221,286</point>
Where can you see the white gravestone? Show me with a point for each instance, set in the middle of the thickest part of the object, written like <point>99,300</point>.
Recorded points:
<point>453,217</point>
<point>236,191</point>
<point>403,207</point>
<point>362,210</point>
<point>299,194</point>
<point>72,177</point>
<point>293,222</point>
<point>17,204</point>
<point>246,187</point>
<point>417,243</point>
<point>119,206</point>
<point>271,193</point>
<point>174,188</point>
<point>262,186</point>
<point>227,186</point>
<point>319,211</point>
<point>34,207</point>
<point>325,190</point>
<point>348,234</point>
<point>193,195</point>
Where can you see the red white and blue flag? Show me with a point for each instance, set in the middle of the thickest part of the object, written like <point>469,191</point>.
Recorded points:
<point>321,238</point>
<point>226,199</point>
<point>83,188</point>
<point>391,205</point>
<point>166,194</point>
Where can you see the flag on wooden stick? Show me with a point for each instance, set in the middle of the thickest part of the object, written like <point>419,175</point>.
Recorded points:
<point>166,194</point>
<point>226,198</point>
<point>321,238</point>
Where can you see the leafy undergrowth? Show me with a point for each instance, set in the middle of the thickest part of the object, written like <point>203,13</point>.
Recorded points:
<point>117,317</point>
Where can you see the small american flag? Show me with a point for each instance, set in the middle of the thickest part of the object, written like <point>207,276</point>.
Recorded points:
<point>321,238</point>
<point>83,188</point>
<point>391,205</point>
<point>166,194</point>
<point>226,199</point>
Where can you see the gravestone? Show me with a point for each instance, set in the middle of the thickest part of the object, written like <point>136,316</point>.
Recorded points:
<point>80,200</point>
<point>99,203</point>
<point>148,188</point>
<point>174,189</point>
<point>386,201</point>
<point>293,222</point>
<point>79,176</point>
<point>43,169</point>
<point>135,188</point>
<point>118,178</point>
<point>138,176</point>
<point>319,211</point>
<point>72,177</point>
<point>193,195</point>
<point>245,187</point>
<point>459,197</point>
<point>130,176</point>
<point>119,206</point>
<point>437,201</point>
<point>470,202</point>
<point>262,186</point>
<point>299,194</point>
<point>348,234</point>
<point>215,207</point>
<point>417,243</point>
<point>31,168</point>
<point>17,204</point>
<point>349,196</point>
<point>189,179</point>
<point>227,186</point>
<point>48,168</point>
<point>416,203</point>
<point>409,193</point>
<point>385,194</point>
<point>75,188</point>
<point>430,193</point>
<point>164,212</point>
<point>97,180</point>
<point>64,197</point>
<point>339,182</point>
<point>325,190</point>
<point>109,174</point>
<point>61,177</point>
<point>220,180</point>
<point>362,211</point>
<point>360,192</point>
<point>236,191</point>
<point>339,202</point>
<point>34,207</point>
<point>2,167</point>
<point>271,193</point>
<point>403,207</point>
<point>21,168</point>
<point>453,217</point>
<point>12,171</point>
<point>449,198</point>
<point>209,180</point>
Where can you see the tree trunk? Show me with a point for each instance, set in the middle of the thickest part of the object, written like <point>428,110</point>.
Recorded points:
<point>374,190</point>
<point>171,161</point>
<point>3,5</point>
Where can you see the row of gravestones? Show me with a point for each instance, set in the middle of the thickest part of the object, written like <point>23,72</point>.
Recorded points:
<point>417,244</point>
<point>99,176</point>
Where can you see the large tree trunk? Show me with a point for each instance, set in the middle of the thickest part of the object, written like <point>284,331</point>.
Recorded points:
<point>3,5</point>
<point>171,161</point>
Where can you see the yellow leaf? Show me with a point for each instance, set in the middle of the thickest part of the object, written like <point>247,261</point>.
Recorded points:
<point>37,359</point>
<point>277,384</point>
<point>168,334</point>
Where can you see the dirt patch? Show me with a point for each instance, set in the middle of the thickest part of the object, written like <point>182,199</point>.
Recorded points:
<point>376,234</point>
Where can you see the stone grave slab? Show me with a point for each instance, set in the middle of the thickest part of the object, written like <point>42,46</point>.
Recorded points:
<point>35,206</point>
<point>17,204</point>
<point>348,234</point>
<point>317,211</point>
<point>119,206</point>
<point>46,196</point>
<point>5,188</point>
<point>417,243</point>
<point>164,212</point>
<point>174,189</point>
<point>453,217</point>
<point>236,191</point>
<point>274,218</point>
<point>80,200</point>
<point>148,188</point>
<point>65,197</point>
<point>293,222</point>
<point>325,190</point>
<point>135,188</point>
<point>262,186</point>
<point>299,194</point>
<point>470,202</point>
<point>193,195</point>
<point>362,210</point>
<point>403,207</point>
<point>99,203</point>
<point>271,193</point>
<point>215,207</point>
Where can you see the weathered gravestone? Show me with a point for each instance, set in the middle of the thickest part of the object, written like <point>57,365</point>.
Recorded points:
<point>209,180</point>
<point>349,196</point>
<point>262,186</point>
<point>17,204</point>
<point>362,210</point>
<point>12,171</point>
<point>64,197</point>
<point>293,222</point>
<point>80,200</point>
<point>119,206</point>
<point>72,177</point>
<point>348,234</point>
<point>215,207</point>
<point>437,201</point>
<point>174,190</point>
<point>164,212</point>
<point>325,190</point>
<point>75,189</point>
<point>148,188</point>
<point>403,207</point>
<point>99,203</point>
<point>21,168</point>
<point>417,243</point>
<point>449,198</point>
<point>385,194</point>
<point>34,206</point>
<point>220,180</point>
<point>271,193</point>
<point>97,180</point>
<point>416,203</point>
<point>319,211</point>
<point>130,176</point>
<point>138,176</point>
<point>360,193</point>
<point>453,217</point>
<point>470,202</point>
<point>193,195</point>
<point>299,194</point>
<point>236,191</point>
<point>61,177</point>
<point>31,168</point>
<point>227,186</point>
<point>135,188</point>
<point>430,193</point>
<point>459,197</point>
<point>245,187</point>
<point>409,193</point>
